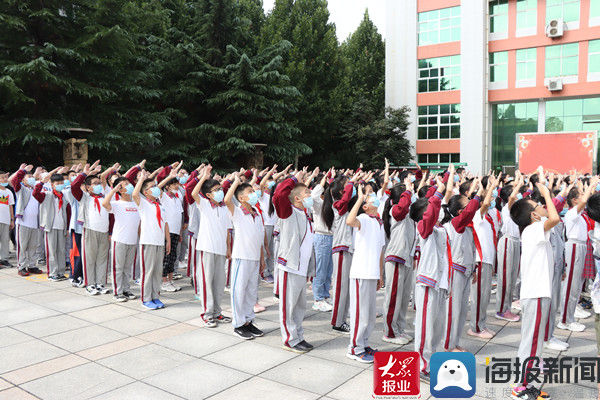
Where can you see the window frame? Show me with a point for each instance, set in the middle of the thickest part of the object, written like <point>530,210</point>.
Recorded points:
<point>527,82</point>
<point>494,35</point>
<point>570,24</point>
<point>452,78</point>
<point>494,64</point>
<point>593,76</point>
<point>439,117</point>
<point>523,12</point>
<point>425,17</point>
<point>567,78</point>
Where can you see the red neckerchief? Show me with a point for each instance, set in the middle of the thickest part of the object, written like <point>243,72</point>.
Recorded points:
<point>59,195</point>
<point>476,241</point>
<point>259,209</point>
<point>489,219</point>
<point>450,270</point>
<point>97,202</point>
<point>251,211</point>
<point>158,214</point>
<point>171,195</point>
<point>498,215</point>
<point>377,217</point>
<point>117,196</point>
<point>591,224</point>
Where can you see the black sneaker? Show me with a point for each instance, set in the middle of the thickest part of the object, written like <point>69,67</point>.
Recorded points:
<point>243,332</point>
<point>223,319</point>
<point>299,348</point>
<point>34,270</point>
<point>530,393</point>
<point>254,330</point>
<point>129,295</point>
<point>23,272</point>
<point>54,278</point>
<point>344,328</point>
<point>307,345</point>
<point>6,263</point>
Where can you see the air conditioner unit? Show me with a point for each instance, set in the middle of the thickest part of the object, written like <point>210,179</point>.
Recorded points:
<point>555,28</point>
<point>554,84</point>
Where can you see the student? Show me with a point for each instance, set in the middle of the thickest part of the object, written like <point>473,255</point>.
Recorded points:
<point>266,187</point>
<point>211,246</point>
<point>484,257</point>
<point>7,218</point>
<point>53,220</point>
<point>26,216</point>
<point>295,258</point>
<point>172,202</point>
<point>399,265</point>
<point>335,207</point>
<point>155,240</point>
<point>432,279</point>
<point>247,255</point>
<point>458,221</point>
<point>575,252</point>
<point>509,253</point>
<point>95,222</point>
<point>193,225</point>
<point>366,274</point>
<point>124,239</point>
<point>537,266</point>
<point>323,243</point>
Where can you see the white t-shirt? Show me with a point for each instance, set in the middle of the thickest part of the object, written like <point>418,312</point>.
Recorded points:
<point>58,222</point>
<point>249,235</point>
<point>537,262</point>
<point>7,199</point>
<point>508,225</point>
<point>127,221</point>
<point>368,242</point>
<point>150,230</point>
<point>575,225</point>
<point>30,214</point>
<point>212,231</point>
<point>264,207</point>
<point>97,216</point>
<point>486,238</point>
<point>173,211</point>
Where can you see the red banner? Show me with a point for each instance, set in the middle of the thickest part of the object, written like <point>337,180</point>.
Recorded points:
<point>560,152</point>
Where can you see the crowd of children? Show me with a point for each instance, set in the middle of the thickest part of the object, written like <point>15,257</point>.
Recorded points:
<point>435,242</point>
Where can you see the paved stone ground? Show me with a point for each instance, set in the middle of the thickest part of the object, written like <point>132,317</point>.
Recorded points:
<point>56,342</point>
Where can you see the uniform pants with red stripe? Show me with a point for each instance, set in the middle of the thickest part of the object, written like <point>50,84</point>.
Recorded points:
<point>363,293</point>
<point>4,241</point>
<point>26,244</point>
<point>509,254</point>
<point>429,323</point>
<point>571,286</point>
<point>292,307</point>
<point>269,258</point>
<point>457,308</point>
<point>151,265</point>
<point>182,248</point>
<point>122,257</point>
<point>243,290</point>
<point>399,280</point>
<point>342,261</point>
<point>55,252</point>
<point>95,255</point>
<point>480,297</point>
<point>534,312</point>
<point>275,269</point>
<point>210,282</point>
<point>555,300</point>
<point>191,262</point>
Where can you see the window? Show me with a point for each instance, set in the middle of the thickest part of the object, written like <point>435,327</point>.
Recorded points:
<point>507,120</point>
<point>439,122</point>
<point>498,16</point>
<point>439,26</point>
<point>437,74</point>
<point>439,158</point>
<point>570,115</point>
<point>594,60</point>
<point>526,67</point>
<point>499,67</point>
<point>568,10</point>
<point>526,15</point>
<point>562,60</point>
<point>594,12</point>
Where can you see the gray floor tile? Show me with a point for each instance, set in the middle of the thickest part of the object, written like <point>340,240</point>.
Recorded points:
<point>139,323</point>
<point>51,325</point>
<point>256,358</point>
<point>84,338</point>
<point>10,336</point>
<point>260,388</point>
<point>137,391</point>
<point>27,353</point>
<point>200,342</point>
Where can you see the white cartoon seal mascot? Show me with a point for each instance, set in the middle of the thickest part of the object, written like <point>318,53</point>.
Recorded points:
<point>452,373</point>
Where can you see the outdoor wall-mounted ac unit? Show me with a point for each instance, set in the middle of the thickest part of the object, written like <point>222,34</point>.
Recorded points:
<point>555,28</point>
<point>555,84</point>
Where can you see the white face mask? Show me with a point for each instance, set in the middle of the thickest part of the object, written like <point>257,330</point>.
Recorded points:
<point>441,217</point>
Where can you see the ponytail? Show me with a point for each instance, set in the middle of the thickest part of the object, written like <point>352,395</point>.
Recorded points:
<point>447,215</point>
<point>333,192</point>
<point>394,197</point>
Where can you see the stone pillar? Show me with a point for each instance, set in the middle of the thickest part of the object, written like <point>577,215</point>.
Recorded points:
<point>75,151</point>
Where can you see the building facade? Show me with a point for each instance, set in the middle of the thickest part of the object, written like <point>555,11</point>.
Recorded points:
<point>475,72</point>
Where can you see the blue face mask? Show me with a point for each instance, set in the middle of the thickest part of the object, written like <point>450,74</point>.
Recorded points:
<point>129,189</point>
<point>493,204</point>
<point>183,179</point>
<point>67,184</point>
<point>374,201</point>
<point>307,202</point>
<point>563,212</point>
<point>271,184</point>
<point>252,198</point>
<point>59,187</point>
<point>4,184</point>
<point>495,193</point>
<point>353,191</point>
<point>218,196</point>
<point>456,178</point>
<point>412,178</point>
<point>155,191</point>
<point>414,198</point>
<point>519,196</point>
<point>31,181</point>
<point>598,187</point>
<point>97,189</point>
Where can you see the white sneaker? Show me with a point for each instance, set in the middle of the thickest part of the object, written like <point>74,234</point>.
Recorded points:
<point>102,289</point>
<point>396,340</point>
<point>516,305</point>
<point>329,301</point>
<point>581,313</point>
<point>138,282</point>
<point>573,326</point>
<point>177,288</point>
<point>555,344</point>
<point>321,305</point>
<point>92,291</point>
<point>167,287</point>
<point>406,336</point>
<point>227,289</point>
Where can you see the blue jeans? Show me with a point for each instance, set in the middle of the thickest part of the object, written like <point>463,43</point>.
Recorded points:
<point>322,281</point>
